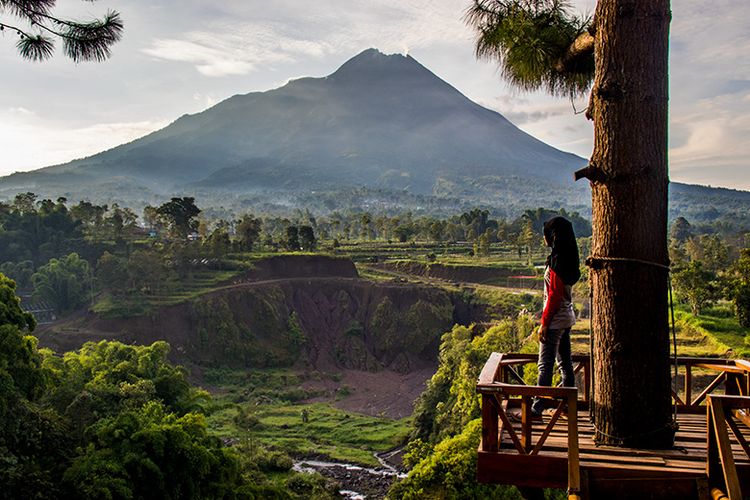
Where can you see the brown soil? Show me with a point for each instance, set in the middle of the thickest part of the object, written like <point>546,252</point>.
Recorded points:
<point>385,394</point>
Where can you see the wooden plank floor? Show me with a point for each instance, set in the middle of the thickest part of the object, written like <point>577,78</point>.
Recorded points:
<point>682,469</point>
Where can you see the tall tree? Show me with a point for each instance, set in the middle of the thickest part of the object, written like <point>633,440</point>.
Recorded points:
<point>180,214</point>
<point>38,28</point>
<point>248,231</point>
<point>307,239</point>
<point>541,46</point>
<point>291,242</point>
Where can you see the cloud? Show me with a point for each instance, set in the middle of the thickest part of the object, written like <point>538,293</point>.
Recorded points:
<point>210,61</point>
<point>524,110</point>
<point>293,32</point>
<point>714,141</point>
<point>20,110</point>
<point>22,135</point>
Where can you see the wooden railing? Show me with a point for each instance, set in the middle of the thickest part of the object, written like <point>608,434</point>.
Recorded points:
<point>504,368</point>
<point>733,376</point>
<point>502,386</point>
<point>720,464</point>
<point>496,396</point>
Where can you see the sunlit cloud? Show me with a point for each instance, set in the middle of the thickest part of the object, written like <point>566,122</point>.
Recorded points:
<point>20,137</point>
<point>237,47</point>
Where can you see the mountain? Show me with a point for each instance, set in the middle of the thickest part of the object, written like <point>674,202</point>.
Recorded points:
<point>380,121</point>
<point>381,132</point>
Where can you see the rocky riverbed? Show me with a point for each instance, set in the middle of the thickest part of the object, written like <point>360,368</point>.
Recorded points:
<point>357,482</point>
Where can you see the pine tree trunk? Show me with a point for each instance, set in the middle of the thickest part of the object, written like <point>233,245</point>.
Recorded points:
<point>632,400</point>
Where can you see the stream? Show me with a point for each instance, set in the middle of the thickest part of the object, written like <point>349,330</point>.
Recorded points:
<point>358,482</point>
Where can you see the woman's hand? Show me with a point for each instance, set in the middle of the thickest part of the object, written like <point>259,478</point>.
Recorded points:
<point>542,333</point>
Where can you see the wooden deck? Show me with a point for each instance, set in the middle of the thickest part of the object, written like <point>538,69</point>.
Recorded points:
<point>710,455</point>
<point>610,472</point>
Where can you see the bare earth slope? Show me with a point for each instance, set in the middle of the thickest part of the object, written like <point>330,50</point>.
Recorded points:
<point>308,313</point>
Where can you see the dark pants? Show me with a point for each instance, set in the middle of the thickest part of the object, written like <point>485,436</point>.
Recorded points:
<point>557,347</point>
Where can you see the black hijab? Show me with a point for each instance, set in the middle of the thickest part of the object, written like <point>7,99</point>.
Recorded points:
<point>564,257</point>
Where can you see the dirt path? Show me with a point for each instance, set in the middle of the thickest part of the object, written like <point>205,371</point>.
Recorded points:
<point>430,281</point>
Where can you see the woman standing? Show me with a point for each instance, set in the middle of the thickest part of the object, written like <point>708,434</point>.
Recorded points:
<point>560,274</point>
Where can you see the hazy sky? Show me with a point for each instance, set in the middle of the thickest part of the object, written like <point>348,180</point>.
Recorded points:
<point>183,56</point>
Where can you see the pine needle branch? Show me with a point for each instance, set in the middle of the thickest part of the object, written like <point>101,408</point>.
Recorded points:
<point>538,44</point>
<point>82,40</point>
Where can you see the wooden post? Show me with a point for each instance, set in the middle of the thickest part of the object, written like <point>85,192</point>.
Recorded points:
<point>732,385</point>
<point>489,423</point>
<point>574,472</point>
<point>688,383</point>
<point>526,423</point>
<point>722,448</point>
<point>717,494</point>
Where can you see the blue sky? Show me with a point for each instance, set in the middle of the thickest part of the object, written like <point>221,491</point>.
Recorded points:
<point>183,56</point>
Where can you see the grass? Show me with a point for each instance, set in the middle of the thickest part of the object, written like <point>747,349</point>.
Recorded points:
<point>714,333</point>
<point>265,405</point>
<point>203,281</point>
<point>450,253</point>
<point>329,433</point>
<point>372,274</point>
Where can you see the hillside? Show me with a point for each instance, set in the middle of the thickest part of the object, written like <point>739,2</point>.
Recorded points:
<point>312,312</point>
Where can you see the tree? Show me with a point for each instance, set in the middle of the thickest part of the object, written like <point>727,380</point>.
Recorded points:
<point>152,218</point>
<point>90,215</point>
<point>483,245</point>
<point>404,233</point>
<point>681,230</point>
<point>120,222</point>
<point>291,242</point>
<point>64,282</point>
<point>30,438</point>
<point>694,285</point>
<point>307,239</point>
<point>20,272</point>
<point>112,274</point>
<point>147,271</point>
<point>541,46</point>
<point>37,29</point>
<point>365,222</point>
<point>739,287</point>
<point>25,203</point>
<point>180,214</point>
<point>218,243</point>
<point>527,237</point>
<point>248,231</point>
<point>437,230</point>
<point>710,250</point>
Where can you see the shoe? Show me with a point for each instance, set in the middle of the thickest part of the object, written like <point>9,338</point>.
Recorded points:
<point>515,416</point>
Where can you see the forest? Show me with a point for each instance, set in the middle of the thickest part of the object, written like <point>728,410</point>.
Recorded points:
<point>66,257</point>
<point>108,418</point>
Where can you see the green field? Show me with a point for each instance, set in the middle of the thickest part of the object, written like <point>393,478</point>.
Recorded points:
<point>264,405</point>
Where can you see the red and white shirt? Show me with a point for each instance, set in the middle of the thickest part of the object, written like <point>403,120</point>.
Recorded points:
<point>558,302</point>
